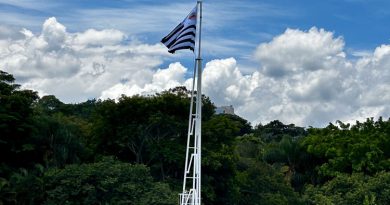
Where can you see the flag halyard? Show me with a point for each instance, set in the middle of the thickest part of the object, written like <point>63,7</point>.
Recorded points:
<point>183,36</point>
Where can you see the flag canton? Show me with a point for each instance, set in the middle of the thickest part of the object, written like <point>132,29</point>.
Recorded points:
<point>192,16</point>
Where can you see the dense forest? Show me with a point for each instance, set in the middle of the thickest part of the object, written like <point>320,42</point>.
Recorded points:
<point>131,151</point>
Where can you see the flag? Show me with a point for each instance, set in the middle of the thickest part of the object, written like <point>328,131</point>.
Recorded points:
<point>183,36</point>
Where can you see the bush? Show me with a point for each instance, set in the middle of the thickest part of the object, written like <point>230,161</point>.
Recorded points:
<point>105,182</point>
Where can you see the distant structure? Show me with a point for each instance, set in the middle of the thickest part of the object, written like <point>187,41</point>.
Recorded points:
<point>225,110</point>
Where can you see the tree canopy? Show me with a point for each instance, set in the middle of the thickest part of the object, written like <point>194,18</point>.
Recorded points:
<point>131,151</point>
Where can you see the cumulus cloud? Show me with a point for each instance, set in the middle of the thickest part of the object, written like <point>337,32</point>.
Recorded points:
<point>53,33</point>
<point>303,77</point>
<point>103,37</point>
<point>224,81</point>
<point>162,79</point>
<point>297,51</point>
<point>373,80</point>
<point>7,32</point>
<point>77,66</point>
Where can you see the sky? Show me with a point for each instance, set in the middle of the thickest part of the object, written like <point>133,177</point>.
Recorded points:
<point>303,62</point>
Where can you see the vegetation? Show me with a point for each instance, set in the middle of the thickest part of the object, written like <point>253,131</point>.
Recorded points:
<point>131,151</point>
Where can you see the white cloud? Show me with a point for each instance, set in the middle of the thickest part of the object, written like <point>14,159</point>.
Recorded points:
<point>53,33</point>
<point>77,66</point>
<point>143,19</point>
<point>296,51</point>
<point>225,83</point>
<point>373,80</point>
<point>162,79</point>
<point>7,32</point>
<point>304,77</point>
<point>103,37</point>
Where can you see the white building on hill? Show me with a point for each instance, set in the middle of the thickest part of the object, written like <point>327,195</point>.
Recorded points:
<point>224,110</point>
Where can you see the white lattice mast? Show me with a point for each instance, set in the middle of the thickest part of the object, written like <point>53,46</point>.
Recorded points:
<point>191,194</point>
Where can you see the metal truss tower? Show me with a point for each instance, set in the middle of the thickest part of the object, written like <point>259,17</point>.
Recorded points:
<point>191,194</point>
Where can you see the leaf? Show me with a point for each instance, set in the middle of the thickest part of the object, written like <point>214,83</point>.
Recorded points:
<point>3,183</point>
<point>28,147</point>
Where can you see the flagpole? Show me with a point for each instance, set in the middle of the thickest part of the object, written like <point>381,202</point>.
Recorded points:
<point>184,37</point>
<point>200,27</point>
<point>199,102</point>
<point>192,167</point>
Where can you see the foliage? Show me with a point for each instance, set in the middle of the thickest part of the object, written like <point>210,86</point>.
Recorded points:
<point>105,182</point>
<point>57,153</point>
<point>149,130</point>
<point>283,150</point>
<point>259,182</point>
<point>23,187</point>
<point>276,131</point>
<point>363,147</point>
<point>291,159</point>
<point>218,162</point>
<point>60,140</point>
<point>15,122</point>
<point>355,189</point>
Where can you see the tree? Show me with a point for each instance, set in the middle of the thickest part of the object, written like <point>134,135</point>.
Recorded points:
<point>15,123</point>
<point>60,140</point>
<point>24,187</point>
<point>276,130</point>
<point>291,158</point>
<point>49,104</point>
<point>149,130</point>
<point>106,182</point>
<point>219,158</point>
<point>363,147</point>
<point>259,184</point>
<point>355,189</point>
<point>257,181</point>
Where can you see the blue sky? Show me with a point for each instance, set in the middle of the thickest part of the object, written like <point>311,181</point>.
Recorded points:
<point>260,42</point>
<point>361,22</point>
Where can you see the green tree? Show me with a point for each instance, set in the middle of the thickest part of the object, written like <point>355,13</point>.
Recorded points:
<point>16,148</point>
<point>149,130</point>
<point>105,182</point>
<point>355,189</point>
<point>276,130</point>
<point>363,147</point>
<point>25,186</point>
<point>257,181</point>
<point>291,158</point>
<point>49,104</point>
<point>61,140</point>
<point>219,158</point>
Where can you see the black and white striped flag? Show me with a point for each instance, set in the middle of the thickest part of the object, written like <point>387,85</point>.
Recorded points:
<point>183,36</point>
